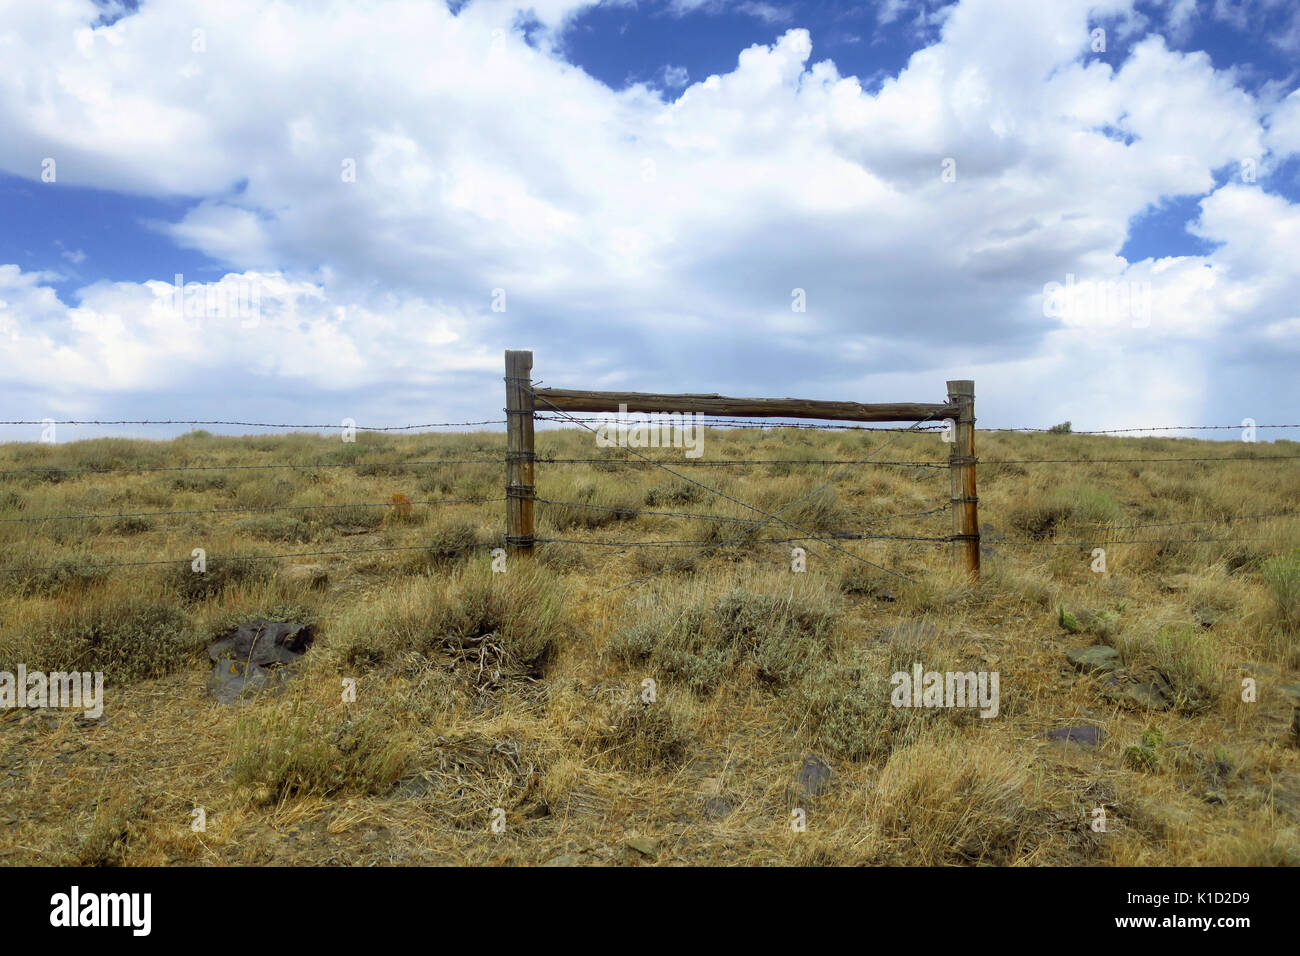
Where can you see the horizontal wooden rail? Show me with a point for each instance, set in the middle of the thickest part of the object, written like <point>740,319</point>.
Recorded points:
<point>574,400</point>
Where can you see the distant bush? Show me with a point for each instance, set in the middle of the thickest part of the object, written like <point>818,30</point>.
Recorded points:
<point>1282,575</point>
<point>201,481</point>
<point>274,527</point>
<point>1039,516</point>
<point>1062,429</point>
<point>128,637</point>
<point>48,576</point>
<point>638,736</point>
<point>592,507</point>
<point>221,574</point>
<point>301,747</point>
<point>503,624</point>
<point>446,544</point>
<point>680,494</point>
<point>349,517</point>
<point>133,524</point>
<point>779,636</point>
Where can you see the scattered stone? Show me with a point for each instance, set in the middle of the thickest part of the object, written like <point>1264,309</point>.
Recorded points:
<point>311,575</point>
<point>254,657</point>
<point>564,859</point>
<point>1087,735</point>
<point>908,630</point>
<point>643,845</point>
<point>814,776</point>
<point>1097,657</point>
<point>1176,582</point>
<point>1292,691</point>
<point>886,595</point>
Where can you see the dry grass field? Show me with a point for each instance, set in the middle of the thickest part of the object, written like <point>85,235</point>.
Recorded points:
<point>522,691</point>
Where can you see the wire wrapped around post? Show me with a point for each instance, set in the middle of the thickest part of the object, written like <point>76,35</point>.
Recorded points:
<point>520,455</point>
<point>961,466</point>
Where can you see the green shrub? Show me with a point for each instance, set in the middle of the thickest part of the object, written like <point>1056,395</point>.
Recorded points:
<point>677,494</point>
<point>127,638</point>
<point>447,544</point>
<point>1282,576</point>
<point>640,736</point>
<point>221,575</point>
<point>298,747</point>
<point>133,524</point>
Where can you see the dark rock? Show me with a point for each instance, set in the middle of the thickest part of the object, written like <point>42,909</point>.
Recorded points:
<point>255,656</point>
<point>814,776</point>
<point>1087,735</point>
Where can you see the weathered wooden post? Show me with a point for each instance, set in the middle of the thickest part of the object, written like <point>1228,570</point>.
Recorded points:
<point>520,492</point>
<point>961,468</point>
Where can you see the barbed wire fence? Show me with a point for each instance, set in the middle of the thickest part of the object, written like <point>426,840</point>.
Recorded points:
<point>750,528</point>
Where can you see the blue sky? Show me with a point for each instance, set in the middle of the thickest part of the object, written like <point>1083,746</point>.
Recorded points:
<point>648,183</point>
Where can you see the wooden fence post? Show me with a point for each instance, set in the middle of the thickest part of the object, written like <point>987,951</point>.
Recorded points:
<point>520,492</point>
<point>961,468</point>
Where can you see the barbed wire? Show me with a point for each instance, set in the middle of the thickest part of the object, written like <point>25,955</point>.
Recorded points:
<point>1103,535</point>
<point>631,511</point>
<point>1085,542</point>
<point>1227,519</point>
<point>737,461</point>
<point>708,421</point>
<point>399,505</point>
<point>1120,461</point>
<point>125,469</point>
<point>177,421</point>
<point>620,462</point>
<point>771,517</point>
<point>1147,428</point>
<point>697,542</point>
<point>188,559</point>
